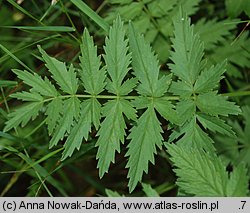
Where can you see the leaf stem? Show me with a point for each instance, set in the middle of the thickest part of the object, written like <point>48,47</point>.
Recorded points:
<point>169,98</point>
<point>173,98</point>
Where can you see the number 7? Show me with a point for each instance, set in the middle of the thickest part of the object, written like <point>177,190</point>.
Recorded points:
<point>243,203</point>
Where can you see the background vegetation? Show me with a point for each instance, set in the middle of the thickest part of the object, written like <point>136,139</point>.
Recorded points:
<point>30,168</point>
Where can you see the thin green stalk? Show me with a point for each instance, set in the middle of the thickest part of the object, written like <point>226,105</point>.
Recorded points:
<point>91,14</point>
<point>165,187</point>
<point>237,94</point>
<point>3,58</point>
<point>42,184</point>
<point>35,129</point>
<point>5,101</point>
<point>170,98</point>
<point>69,18</point>
<point>173,98</point>
<point>46,13</point>
<point>12,181</point>
<point>15,58</point>
<point>17,6</point>
<point>101,6</point>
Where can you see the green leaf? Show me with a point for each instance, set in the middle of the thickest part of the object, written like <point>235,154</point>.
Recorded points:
<point>44,87</point>
<point>196,166</point>
<point>66,79</point>
<point>165,108</point>
<point>238,183</point>
<point>23,115</point>
<point>213,31</point>
<point>141,102</point>
<point>127,86</point>
<point>149,191</point>
<point>234,51</point>
<point>209,78</point>
<point>213,104</point>
<point>71,109</point>
<point>215,124</point>
<point>145,137</point>
<point>161,7</point>
<point>53,113</point>
<point>145,66</point>
<point>181,89</point>
<point>189,6</point>
<point>92,76</point>
<point>185,110</point>
<point>246,115</point>
<point>90,114</point>
<point>234,8</point>
<point>27,96</point>
<point>5,83</point>
<point>127,12</point>
<point>111,193</point>
<point>112,132</point>
<point>117,58</point>
<point>195,137</point>
<point>95,112</point>
<point>188,51</point>
<point>236,150</point>
<point>79,131</point>
<point>163,85</point>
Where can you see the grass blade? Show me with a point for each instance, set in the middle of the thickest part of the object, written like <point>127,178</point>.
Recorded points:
<point>43,28</point>
<point>91,14</point>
